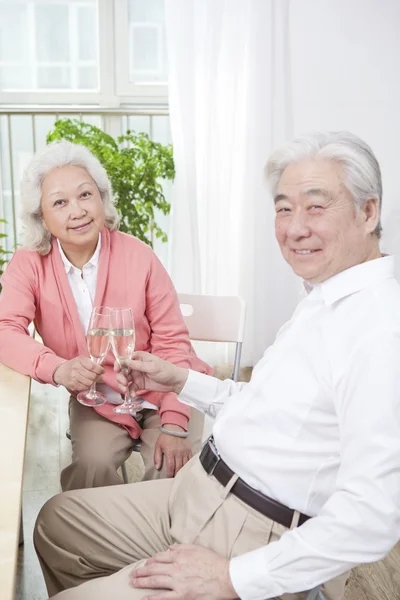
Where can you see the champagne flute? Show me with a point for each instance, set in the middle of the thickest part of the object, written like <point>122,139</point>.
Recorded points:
<point>98,340</point>
<point>122,336</point>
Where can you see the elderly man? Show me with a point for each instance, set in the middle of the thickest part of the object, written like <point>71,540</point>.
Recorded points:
<point>300,481</point>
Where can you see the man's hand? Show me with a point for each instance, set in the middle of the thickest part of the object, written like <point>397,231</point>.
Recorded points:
<point>148,372</point>
<point>77,374</point>
<point>175,451</point>
<point>189,572</point>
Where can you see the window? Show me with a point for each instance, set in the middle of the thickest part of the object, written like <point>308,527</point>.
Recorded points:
<point>98,52</point>
<point>47,45</point>
<point>141,72</point>
<point>147,51</point>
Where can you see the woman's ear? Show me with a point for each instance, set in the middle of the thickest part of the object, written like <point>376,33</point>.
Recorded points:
<point>43,221</point>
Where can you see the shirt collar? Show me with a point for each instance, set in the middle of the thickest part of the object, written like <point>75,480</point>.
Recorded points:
<point>93,261</point>
<point>354,279</point>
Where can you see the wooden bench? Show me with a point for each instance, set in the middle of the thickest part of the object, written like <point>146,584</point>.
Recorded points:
<point>14,406</point>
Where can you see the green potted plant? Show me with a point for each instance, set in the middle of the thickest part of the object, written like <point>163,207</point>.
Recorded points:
<point>135,165</point>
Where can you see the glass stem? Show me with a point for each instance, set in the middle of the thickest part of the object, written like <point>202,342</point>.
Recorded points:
<point>92,390</point>
<point>128,398</point>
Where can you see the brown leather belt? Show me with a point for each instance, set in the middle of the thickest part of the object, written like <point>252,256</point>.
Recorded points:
<point>214,465</point>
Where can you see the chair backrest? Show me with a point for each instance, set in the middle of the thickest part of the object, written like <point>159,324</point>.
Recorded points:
<point>215,319</point>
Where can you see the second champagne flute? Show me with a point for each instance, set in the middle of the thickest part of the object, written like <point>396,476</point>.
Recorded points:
<point>122,336</point>
<point>97,343</point>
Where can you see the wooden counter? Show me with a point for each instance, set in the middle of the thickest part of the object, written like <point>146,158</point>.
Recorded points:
<point>14,405</point>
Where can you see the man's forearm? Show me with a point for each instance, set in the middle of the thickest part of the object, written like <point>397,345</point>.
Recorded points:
<point>207,393</point>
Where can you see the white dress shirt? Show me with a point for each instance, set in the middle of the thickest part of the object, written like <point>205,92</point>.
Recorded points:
<point>318,429</point>
<point>83,283</point>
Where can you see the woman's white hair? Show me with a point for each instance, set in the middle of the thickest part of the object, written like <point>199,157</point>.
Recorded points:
<point>362,172</point>
<point>55,155</point>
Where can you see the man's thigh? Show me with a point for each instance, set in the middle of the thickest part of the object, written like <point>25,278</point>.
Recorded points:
<point>105,588</point>
<point>92,533</point>
<point>201,511</point>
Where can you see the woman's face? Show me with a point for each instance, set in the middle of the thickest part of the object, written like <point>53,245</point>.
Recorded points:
<point>72,209</point>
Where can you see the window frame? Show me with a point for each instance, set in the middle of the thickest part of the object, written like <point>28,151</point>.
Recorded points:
<point>145,93</point>
<point>114,90</point>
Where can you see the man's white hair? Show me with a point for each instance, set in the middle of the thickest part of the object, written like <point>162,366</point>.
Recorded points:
<point>55,155</point>
<point>362,172</point>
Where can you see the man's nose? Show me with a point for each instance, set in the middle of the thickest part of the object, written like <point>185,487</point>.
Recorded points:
<point>298,225</point>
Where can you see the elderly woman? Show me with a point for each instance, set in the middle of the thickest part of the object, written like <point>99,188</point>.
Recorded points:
<point>73,259</point>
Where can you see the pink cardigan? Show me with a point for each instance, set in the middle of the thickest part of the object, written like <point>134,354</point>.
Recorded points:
<point>36,288</point>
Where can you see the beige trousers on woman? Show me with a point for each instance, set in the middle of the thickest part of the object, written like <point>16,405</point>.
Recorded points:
<point>100,447</point>
<point>89,540</point>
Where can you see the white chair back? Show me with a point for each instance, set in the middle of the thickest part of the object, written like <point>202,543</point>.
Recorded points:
<point>215,319</point>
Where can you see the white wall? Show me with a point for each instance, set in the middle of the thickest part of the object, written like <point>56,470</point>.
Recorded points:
<point>346,75</point>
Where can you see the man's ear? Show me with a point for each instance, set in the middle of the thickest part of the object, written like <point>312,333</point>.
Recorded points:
<point>370,211</point>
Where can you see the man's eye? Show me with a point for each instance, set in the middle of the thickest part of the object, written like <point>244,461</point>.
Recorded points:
<point>316,207</point>
<point>283,209</point>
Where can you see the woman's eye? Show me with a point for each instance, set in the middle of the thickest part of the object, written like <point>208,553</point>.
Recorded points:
<point>316,206</point>
<point>85,194</point>
<point>59,202</point>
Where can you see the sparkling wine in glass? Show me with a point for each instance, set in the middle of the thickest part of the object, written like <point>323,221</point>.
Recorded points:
<point>122,336</point>
<point>98,340</point>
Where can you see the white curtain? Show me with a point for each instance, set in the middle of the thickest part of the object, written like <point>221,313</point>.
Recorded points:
<point>243,77</point>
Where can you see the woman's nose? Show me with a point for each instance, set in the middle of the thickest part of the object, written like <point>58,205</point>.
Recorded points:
<point>76,210</point>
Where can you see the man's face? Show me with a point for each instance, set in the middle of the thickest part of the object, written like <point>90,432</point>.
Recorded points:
<point>317,225</point>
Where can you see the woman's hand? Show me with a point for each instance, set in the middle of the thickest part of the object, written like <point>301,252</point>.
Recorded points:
<point>77,374</point>
<point>174,451</point>
<point>148,372</point>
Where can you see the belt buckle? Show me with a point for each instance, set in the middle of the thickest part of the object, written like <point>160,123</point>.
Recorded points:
<point>216,455</point>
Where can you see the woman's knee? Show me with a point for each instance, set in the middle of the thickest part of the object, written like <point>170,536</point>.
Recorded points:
<point>98,455</point>
<point>108,453</point>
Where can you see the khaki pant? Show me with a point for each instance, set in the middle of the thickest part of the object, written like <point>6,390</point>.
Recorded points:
<point>100,447</point>
<point>89,540</point>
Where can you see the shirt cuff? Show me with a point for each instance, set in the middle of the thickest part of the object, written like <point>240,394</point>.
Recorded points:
<point>199,390</point>
<point>249,576</point>
<point>172,417</point>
